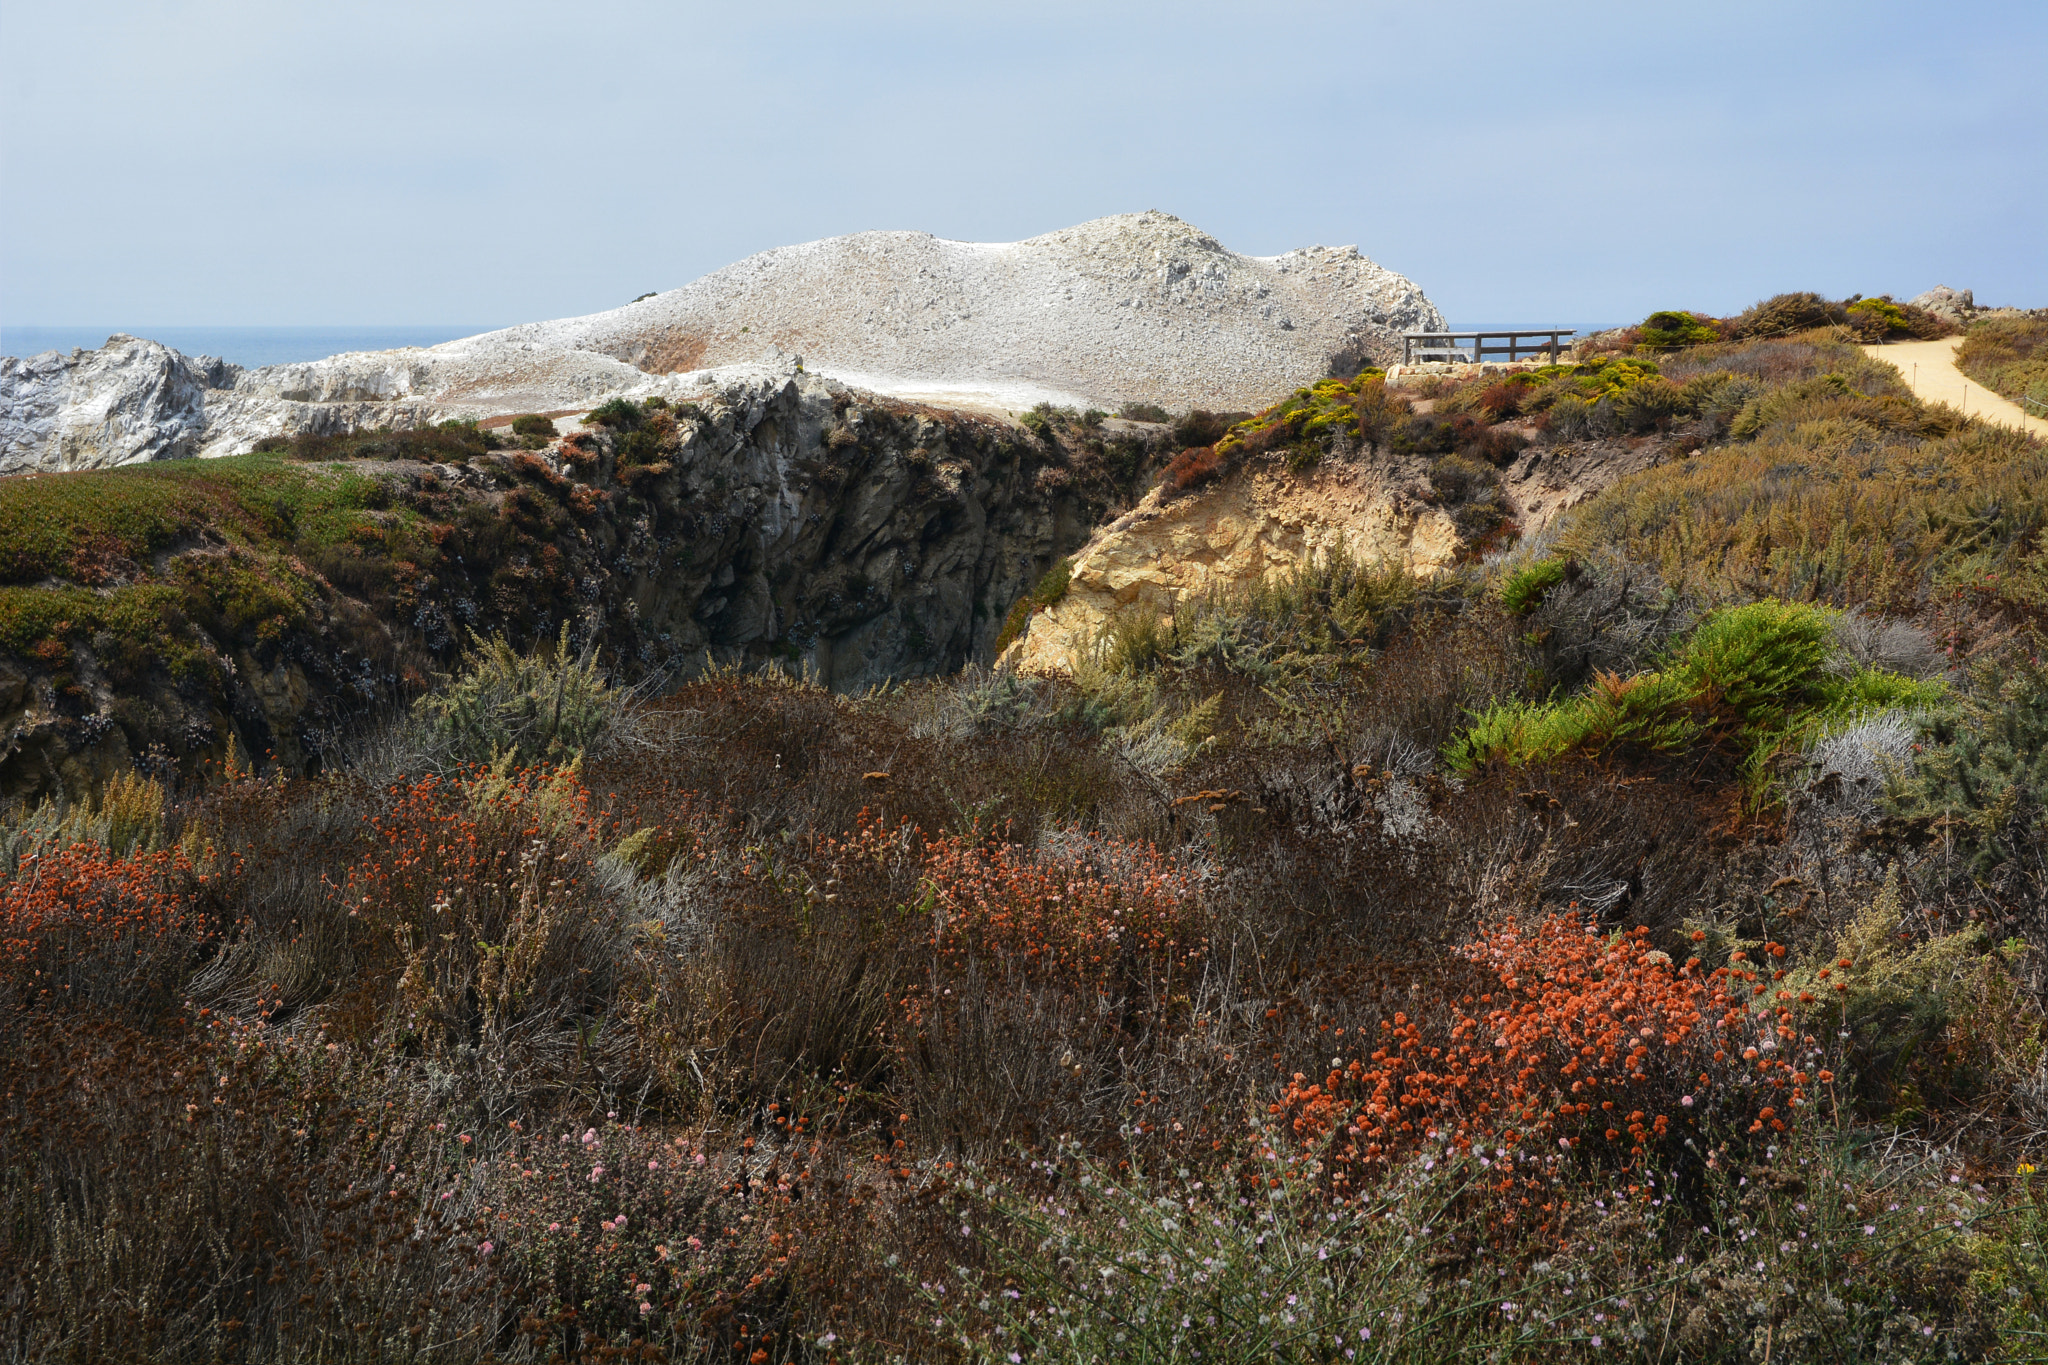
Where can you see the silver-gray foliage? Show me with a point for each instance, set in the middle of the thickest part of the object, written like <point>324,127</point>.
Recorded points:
<point>1848,769</point>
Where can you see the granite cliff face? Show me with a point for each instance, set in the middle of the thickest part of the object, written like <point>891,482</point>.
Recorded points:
<point>783,517</point>
<point>1135,308</point>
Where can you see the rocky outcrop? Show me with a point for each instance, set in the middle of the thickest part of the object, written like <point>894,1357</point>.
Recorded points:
<point>1259,521</point>
<point>130,400</point>
<point>1950,305</point>
<point>781,517</point>
<point>1372,504</point>
<point>1136,308</point>
<point>1140,307</point>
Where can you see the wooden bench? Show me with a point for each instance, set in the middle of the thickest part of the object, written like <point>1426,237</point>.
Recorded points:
<point>1428,346</point>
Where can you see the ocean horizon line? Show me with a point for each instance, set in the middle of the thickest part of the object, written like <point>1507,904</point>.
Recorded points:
<point>248,345</point>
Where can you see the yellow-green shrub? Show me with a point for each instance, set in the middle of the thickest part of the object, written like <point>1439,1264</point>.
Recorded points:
<point>1749,681</point>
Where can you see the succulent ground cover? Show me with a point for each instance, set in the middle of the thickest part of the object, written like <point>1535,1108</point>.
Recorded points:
<point>1628,946</point>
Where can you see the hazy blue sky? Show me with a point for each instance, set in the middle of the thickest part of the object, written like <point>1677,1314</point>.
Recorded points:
<point>257,162</point>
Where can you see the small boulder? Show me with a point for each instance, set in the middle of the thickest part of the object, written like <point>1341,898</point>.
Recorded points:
<point>1951,305</point>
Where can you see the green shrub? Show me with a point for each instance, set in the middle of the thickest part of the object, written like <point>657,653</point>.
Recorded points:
<point>1048,592</point>
<point>619,414</point>
<point>1670,330</point>
<point>1984,785</point>
<point>528,708</point>
<point>127,817</point>
<point>1646,406</point>
<point>648,445</point>
<point>1894,998</point>
<point>1470,490</point>
<point>1582,616</point>
<point>1749,681</point>
<point>446,443</point>
<point>533,424</point>
<point>1876,318</point>
<point>1329,607</point>
<point>1144,412</point>
<point>1524,589</point>
<point>1649,712</point>
<point>1378,411</point>
<point>1603,397</point>
<point>1311,419</point>
<point>1833,396</point>
<point>1134,641</point>
<point>1784,314</point>
<point>1044,418</point>
<point>1846,491</point>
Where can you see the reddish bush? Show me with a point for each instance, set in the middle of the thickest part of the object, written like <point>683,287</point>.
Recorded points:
<point>1496,446</point>
<point>1120,921</point>
<point>533,467</point>
<point>580,449</point>
<point>1280,432</point>
<point>1588,1040</point>
<point>1502,401</point>
<point>79,925</point>
<point>1192,468</point>
<point>470,914</point>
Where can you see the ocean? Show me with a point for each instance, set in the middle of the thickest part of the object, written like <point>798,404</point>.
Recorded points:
<point>247,346</point>
<point>1582,328</point>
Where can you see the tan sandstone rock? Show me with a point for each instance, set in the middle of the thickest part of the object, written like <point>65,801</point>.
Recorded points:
<point>1172,547</point>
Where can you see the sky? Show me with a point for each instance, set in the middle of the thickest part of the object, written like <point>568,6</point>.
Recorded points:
<point>247,162</point>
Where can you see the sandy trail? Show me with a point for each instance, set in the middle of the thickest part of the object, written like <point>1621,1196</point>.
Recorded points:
<point>1929,369</point>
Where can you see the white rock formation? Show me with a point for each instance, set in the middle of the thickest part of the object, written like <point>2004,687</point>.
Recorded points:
<point>1139,307</point>
<point>1955,305</point>
<point>130,400</point>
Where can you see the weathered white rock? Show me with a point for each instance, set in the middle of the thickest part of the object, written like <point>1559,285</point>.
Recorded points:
<point>1136,308</point>
<point>128,401</point>
<point>1957,306</point>
<point>1140,307</point>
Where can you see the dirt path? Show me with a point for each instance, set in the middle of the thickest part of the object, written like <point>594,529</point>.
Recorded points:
<point>1929,368</point>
